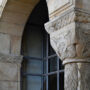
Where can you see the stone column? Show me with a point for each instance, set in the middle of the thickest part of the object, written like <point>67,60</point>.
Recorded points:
<point>69,30</point>
<point>10,72</point>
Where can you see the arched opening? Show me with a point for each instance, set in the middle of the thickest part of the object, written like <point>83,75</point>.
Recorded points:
<point>41,68</point>
<point>12,22</point>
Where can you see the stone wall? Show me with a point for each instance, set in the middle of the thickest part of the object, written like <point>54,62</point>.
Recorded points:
<point>10,72</point>
<point>12,23</point>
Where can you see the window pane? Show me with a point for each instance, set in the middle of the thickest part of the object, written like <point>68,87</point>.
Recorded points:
<point>32,83</point>
<point>44,66</point>
<point>33,43</point>
<point>34,66</point>
<point>52,64</point>
<point>44,83</point>
<point>51,51</point>
<point>44,46</point>
<point>61,81</point>
<point>52,82</point>
<point>23,84</point>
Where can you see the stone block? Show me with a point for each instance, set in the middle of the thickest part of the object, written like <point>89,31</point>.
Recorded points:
<point>83,4</point>
<point>4,43</point>
<point>10,28</point>
<point>54,5</point>
<point>19,7</point>
<point>8,72</point>
<point>14,17</point>
<point>15,45</point>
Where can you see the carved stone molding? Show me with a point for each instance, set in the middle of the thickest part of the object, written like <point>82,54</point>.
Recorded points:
<point>72,15</point>
<point>10,58</point>
<point>76,60</point>
<point>57,6</point>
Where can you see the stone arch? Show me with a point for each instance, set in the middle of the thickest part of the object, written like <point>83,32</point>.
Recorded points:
<point>12,22</point>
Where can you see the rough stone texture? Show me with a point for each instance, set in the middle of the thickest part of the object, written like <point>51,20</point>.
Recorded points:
<point>10,72</point>
<point>70,34</point>
<point>71,78</point>
<point>4,43</point>
<point>69,31</point>
<point>13,20</point>
<point>10,58</point>
<point>15,45</point>
<point>12,23</point>
<point>6,85</point>
<point>77,76</point>
<point>57,7</point>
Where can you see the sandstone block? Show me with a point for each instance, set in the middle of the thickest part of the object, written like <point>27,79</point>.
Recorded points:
<point>4,43</point>
<point>10,28</point>
<point>8,71</point>
<point>6,85</point>
<point>15,45</point>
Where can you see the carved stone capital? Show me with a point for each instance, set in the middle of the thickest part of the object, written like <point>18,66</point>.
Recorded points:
<point>10,58</point>
<point>70,34</point>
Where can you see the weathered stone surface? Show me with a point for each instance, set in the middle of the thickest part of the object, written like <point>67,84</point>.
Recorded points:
<point>16,18</point>
<point>6,85</point>
<point>8,72</point>
<point>72,15</point>
<point>10,58</point>
<point>57,7</point>
<point>69,31</point>
<point>10,67</point>
<point>15,45</point>
<point>53,5</point>
<point>11,29</point>
<point>83,4</point>
<point>4,43</point>
<point>77,76</point>
<point>70,34</point>
<point>63,41</point>
<point>83,40</point>
<point>71,77</point>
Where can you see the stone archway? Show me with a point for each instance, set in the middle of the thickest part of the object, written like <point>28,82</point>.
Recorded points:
<point>12,22</point>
